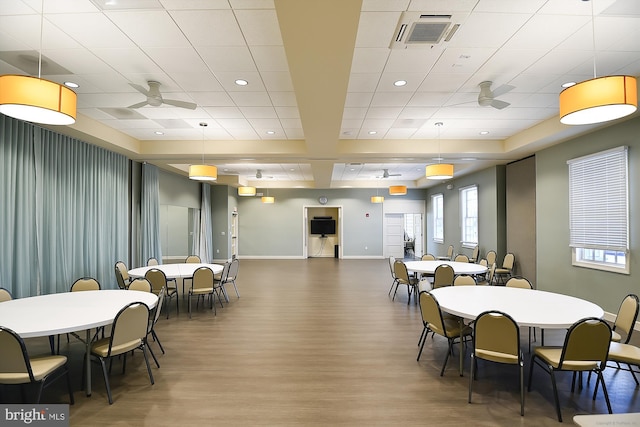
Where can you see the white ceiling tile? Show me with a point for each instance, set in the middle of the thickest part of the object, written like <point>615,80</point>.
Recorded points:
<point>79,61</point>
<point>252,4</point>
<point>291,123</point>
<point>383,112</point>
<point>509,6</point>
<point>288,112</point>
<point>385,5</point>
<point>259,27</point>
<point>400,133</point>
<point>354,113</point>
<point>361,82</point>
<point>127,60</point>
<point>197,82</point>
<point>92,30</point>
<point>209,27</point>
<point>234,123</point>
<point>283,99</point>
<point>180,60</point>
<point>270,58</point>
<point>277,81</point>
<point>242,134</point>
<point>259,112</point>
<point>488,29</point>
<point>545,31</point>
<point>150,28</point>
<point>417,61</point>
<point>250,99</point>
<point>376,29</point>
<point>369,60</point>
<point>232,58</point>
<point>224,112</point>
<point>212,99</point>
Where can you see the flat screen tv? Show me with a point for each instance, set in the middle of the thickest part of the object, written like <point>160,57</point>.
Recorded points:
<point>323,226</point>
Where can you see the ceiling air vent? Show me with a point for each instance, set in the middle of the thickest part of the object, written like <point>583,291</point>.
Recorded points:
<point>420,30</point>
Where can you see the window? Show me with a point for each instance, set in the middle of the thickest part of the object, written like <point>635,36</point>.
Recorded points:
<point>437,202</point>
<point>469,215</point>
<point>599,210</point>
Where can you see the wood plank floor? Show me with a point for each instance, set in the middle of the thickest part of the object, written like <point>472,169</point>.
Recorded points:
<point>317,342</point>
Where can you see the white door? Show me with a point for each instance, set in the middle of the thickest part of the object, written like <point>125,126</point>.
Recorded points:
<point>394,235</point>
<point>417,234</point>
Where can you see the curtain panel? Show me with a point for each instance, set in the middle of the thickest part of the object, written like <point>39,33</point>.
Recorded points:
<point>65,213</point>
<point>150,214</point>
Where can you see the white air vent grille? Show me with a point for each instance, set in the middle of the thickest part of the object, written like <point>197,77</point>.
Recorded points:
<point>421,30</point>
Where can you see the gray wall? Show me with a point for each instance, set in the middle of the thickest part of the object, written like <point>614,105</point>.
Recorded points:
<point>491,213</point>
<point>555,271</point>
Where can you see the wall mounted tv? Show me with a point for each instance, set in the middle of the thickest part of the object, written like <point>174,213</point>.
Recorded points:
<point>323,225</point>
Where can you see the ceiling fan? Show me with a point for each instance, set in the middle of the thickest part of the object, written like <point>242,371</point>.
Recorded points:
<point>487,97</point>
<point>155,99</point>
<point>260,176</point>
<point>386,174</point>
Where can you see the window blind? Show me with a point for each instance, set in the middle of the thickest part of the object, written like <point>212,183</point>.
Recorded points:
<point>598,201</point>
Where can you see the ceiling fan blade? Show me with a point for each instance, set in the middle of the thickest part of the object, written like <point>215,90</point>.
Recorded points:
<point>496,103</point>
<point>501,90</point>
<point>181,104</point>
<point>140,89</point>
<point>139,104</point>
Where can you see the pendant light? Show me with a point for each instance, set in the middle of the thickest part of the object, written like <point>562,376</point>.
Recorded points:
<point>377,198</point>
<point>397,190</point>
<point>439,170</point>
<point>37,100</point>
<point>600,99</point>
<point>246,191</point>
<point>203,172</point>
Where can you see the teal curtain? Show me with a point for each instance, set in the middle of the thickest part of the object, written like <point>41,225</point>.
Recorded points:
<point>206,229</point>
<point>66,210</point>
<point>150,214</point>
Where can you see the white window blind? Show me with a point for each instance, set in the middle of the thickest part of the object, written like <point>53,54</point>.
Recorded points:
<point>598,201</point>
<point>437,201</point>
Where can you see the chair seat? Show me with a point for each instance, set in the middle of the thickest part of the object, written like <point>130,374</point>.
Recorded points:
<point>452,327</point>
<point>497,356</point>
<point>625,353</point>
<point>101,347</point>
<point>40,366</point>
<point>615,337</point>
<point>502,271</point>
<point>551,355</point>
<point>201,291</point>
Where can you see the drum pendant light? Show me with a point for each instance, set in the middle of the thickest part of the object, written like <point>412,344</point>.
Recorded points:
<point>37,100</point>
<point>600,99</point>
<point>439,170</point>
<point>203,172</point>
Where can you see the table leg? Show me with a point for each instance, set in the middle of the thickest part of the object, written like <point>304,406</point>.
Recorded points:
<point>461,338</point>
<point>88,361</point>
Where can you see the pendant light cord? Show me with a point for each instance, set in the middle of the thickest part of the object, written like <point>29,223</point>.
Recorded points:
<point>593,34</point>
<point>439,124</point>
<point>41,31</point>
<point>203,125</point>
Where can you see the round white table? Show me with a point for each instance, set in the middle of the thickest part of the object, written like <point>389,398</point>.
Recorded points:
<point>175,271</point>
<point>528,307</point>
<point>429,267</point>
<point>53,314</point>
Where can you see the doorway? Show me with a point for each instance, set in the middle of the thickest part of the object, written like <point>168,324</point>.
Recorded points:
<point>403,225</point>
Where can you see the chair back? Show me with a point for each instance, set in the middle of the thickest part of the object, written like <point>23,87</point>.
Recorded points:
<point>152,261</point>
<point>5,295</point>
<point>518,282</point>
<point>202,278</point>
<point>122,274</point>
<point>402,274</point>
<point>587,340</point>
<point>129,328</point>
<point>157,279</point>
<point>627,316</point>
<point>461,258</point>
<point>450,252</point>
<point>431,313</point>
<point>483,262</point>
<point>464,280</point>
<point>496,337</point>
<point>508,261</point>
<point>233,270</point>
<point>491,257</point>
<point>428,257</point>
<point>140,284</point>
<point>85,284</point>
<point>443,276</point>
<point>476,253</point>
<point>15,367</point>
<point>193,259</point>
<point>392,261</point>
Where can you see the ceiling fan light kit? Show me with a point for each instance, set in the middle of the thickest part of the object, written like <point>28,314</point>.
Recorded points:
<point>599,100</point>
<point>397,190</point>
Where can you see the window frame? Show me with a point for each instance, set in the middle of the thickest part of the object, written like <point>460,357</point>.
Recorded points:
<point>590,246</point>
<point>438,215</point>
<point>464,200</point>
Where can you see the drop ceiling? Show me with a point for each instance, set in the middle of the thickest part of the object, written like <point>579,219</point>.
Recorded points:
<point>320,109</point>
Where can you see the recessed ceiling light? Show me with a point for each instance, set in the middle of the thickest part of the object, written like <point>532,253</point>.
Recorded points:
<point>352,169</point>
<point>71,84</point>
<point>568,84</point>
<point>241,82</point>
<point>484,132</point>
<point>292,169</point>
<point>270,132</point>
<point>159,132</point>
<point>372,132</point>
<point>346,133</point>
<point>399,83</point>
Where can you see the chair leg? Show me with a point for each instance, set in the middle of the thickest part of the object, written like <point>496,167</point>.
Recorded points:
<point>422,346</point>
<point>68,378</point>
<point>446,359</point>
<point>106,378</point>
<point>473,362</point>
<point>146,359</point>
<point>531,372</point>
<point>235,288</point>
<point>604,390</point>
<point>189,305</point>
<point>156,339</point>
<point>555,394</point>
<point>521,388</point>
<point>40,388</point>
<point>154,357</point>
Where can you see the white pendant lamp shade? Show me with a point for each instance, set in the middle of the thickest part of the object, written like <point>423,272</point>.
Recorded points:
<point>439,171</point>
<point>246,191</point>
<point>599,100</point>
<point>203,173</point>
